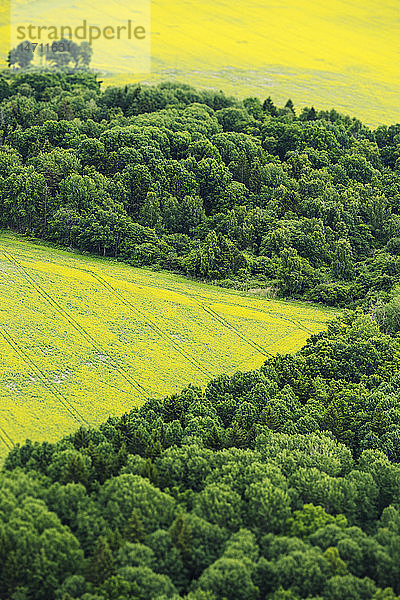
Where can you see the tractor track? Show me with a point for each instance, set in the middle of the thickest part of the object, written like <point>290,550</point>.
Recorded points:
<point>6,439</point>
<point>222,319</point>
<point>43,378</point>
<point>228,325</point>
<point>213,314</point>
<point>77,326</point>
<point>150,322</point>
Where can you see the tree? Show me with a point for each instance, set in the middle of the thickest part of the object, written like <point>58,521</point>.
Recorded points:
<point>101,564</point>
<point>306,521</point>
<point>228,577</point>
<point>85,54</point>
<point>25,201</point>
<point>21,55</point>
<point>303,572</point>
<point>168,558</point>
<point>55,166</point>
<point>137,180</point>
<point>71,466</point>
<point>269,107</point>
<point>4,89</point>
<point>350,587</point>
<point>290,106</point>
<point>388,315</point>
<point>118,495</point>
<point>220,505</point>
<point>199,542</point>
<point>342,262</point>
<point>62,53</point>
<point>216,258</point>
<point>147,584</point>
<point>295,272</point>
<point>150,212</point>
<point>134,530</point>
<point>267,506</point>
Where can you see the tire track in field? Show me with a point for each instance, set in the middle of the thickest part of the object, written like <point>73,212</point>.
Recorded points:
<point>6,439</point>
<point>193,361</point>
<point>225,322</point>
<point>260,349</point>
<point>77,326</point>
<point>7,436</point>
<point>298,324</point>
<point>113,386</point>
<point>43,378</point>
<point>219,318</point>
<point>276,341</point>
<point>233,328</point>
<point>154,326</point>
<point>214,315</point>
<point>146,319</point>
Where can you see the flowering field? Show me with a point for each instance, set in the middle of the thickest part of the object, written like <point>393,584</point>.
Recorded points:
<point>341,54</point>
<point>83,338</point>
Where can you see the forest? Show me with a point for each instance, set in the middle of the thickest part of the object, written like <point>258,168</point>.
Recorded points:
<point>282,483</point>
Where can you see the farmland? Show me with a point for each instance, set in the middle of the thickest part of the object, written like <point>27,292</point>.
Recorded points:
<point>84,338</point>
<point>342,54</point>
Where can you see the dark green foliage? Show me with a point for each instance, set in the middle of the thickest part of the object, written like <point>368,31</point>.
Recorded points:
<point>62,54</point>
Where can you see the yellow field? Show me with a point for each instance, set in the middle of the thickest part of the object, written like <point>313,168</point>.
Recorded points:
<point>342,54</point>
<point>84,338</point>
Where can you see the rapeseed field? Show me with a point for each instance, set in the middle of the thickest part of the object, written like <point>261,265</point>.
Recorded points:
<point>341,54</point>
<point>83,338</point>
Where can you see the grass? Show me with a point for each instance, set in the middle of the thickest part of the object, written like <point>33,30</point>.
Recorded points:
<point>84,338</point>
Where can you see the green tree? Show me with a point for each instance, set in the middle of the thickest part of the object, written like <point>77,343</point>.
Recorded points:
<point>295,272</point>
<point>134,530</point>
<point>228,577</point>
<point>101,563</point>
<point>220,505</point>
<point>342,262</point>
<point>306,521</point>
<point>267,506</point>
